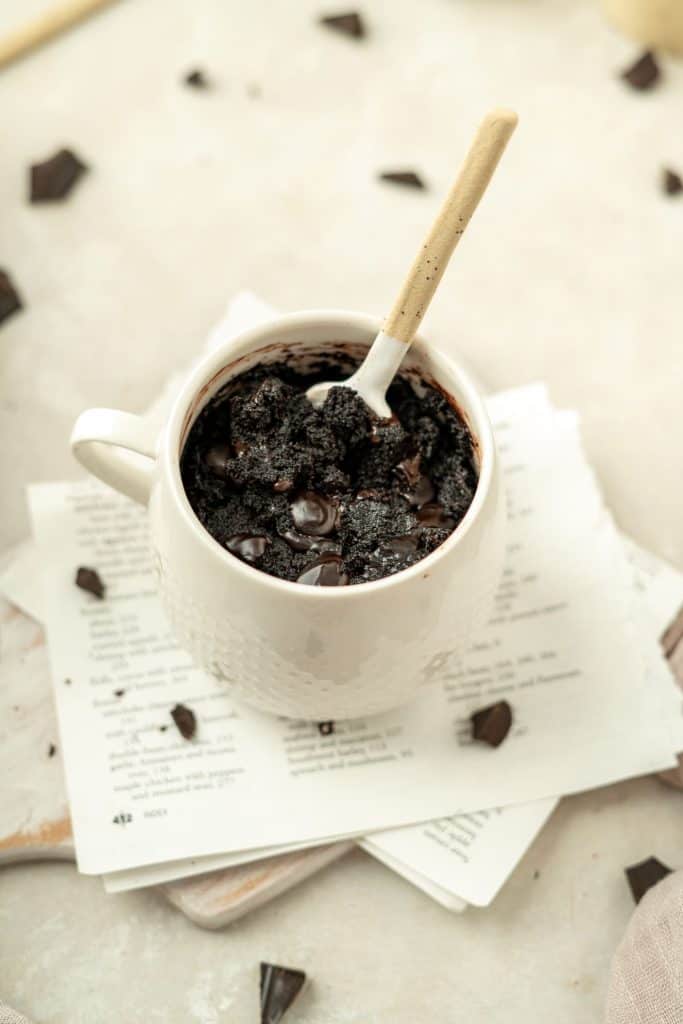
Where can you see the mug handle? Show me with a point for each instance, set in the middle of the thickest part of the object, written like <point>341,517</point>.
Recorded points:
<point>117,448</point>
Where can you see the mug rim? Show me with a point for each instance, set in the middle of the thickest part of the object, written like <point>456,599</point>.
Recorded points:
<point>248,340</point>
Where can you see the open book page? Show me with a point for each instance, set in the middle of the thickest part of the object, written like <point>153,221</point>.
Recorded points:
<point>555,648</point>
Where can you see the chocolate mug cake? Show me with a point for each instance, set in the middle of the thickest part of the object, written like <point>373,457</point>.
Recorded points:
<point>328,496</point>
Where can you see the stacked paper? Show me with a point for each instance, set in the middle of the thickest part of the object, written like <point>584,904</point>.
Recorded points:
<point>571,645</point>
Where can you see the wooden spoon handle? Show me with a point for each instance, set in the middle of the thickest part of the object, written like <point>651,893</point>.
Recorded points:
<point>46,25</point>
<point>461,202</point>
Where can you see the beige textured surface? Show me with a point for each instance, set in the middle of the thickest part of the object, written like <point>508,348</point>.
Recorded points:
<point>571,272</point>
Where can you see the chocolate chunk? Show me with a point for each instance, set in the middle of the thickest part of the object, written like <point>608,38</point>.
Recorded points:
<point>279,988</point>
<point>54,178</point>
<point>196,79</point>
<point>185,721</point>
<point>671,182</point>
<point>10,302</point>
<point>433,515</point>
<point>351,24</point>
<point>248,548</point>
<point>409,178</point>
<point>318,545</point>
<point>644,876</point>
<point>326,572</point>
<point>216,459</point>
<point>119,693</point>
<point>644,74</point>
<point>88,579</point>
<point>51,750</point>
<point>313,514</point>
<point>492,724</point>
<point>398,545</point>
<point>325,728</point>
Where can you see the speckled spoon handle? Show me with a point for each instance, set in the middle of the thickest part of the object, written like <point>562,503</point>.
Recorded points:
<point>374,375</point>
<point>427,270</point>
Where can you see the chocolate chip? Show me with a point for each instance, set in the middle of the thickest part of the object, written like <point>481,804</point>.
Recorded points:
<point>492,724</point>
<point>644,74</point>
<point>433,515</point>
<point>420,493</point>
<point>119,693</point>
<point>10,302</point>
<point>279,988</point>
<point>398,545</point>
<point>216,458</point>
<point>671,182</point>
<point>88,579</point>
<point>351,24</point>
<point>644,876</point>
<point>196,79</point>
<point>325,728</point>
<point>313,514</point>
<point>325,572</point>
<point>51,750</point>
<point>248,548</point>
<point>282,486</point>
<point>55,177</point>
<point>409,178</point>
<point>185,721</point>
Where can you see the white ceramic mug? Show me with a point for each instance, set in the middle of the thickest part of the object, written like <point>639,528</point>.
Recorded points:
<point>316,653</point>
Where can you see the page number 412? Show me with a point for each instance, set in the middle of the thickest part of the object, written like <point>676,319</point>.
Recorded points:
<point>122,819</point>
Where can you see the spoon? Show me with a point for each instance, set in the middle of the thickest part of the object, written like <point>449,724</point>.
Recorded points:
<point>376,372</point>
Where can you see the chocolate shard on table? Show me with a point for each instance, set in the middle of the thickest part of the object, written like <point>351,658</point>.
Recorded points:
<point>54,178</point>
<point>644,73</point>
<point>645,875</point>
<point>409,178</point>
<point>279,988</point>
<point>185,721</point>
<point>492,724</point>
<point>89,579</point>
<point>325,728</point>
<point>196,79</point>
<point>10,302</point>
<point>672,183</point>
<point>350,24</point>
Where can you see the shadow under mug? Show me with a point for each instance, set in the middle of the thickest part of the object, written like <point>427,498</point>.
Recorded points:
<point>315,653</point>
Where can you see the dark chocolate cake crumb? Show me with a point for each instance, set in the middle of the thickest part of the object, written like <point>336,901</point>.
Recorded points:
<point>196,79</point>
<point>492,724</point>
<point>672,184</point>
<point>119,693</point>
<point>327,496</point>
<point>325,728</point>
<point>409,178</point>
<point>51,750</point>
<point>279,987</point>
<point>644,876</point>
<point>54,178</point>
<point>185,721</point>
<point>644,73</point>
<point>88,579</point>
<point>351,24</point>
<point>10,301</point>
